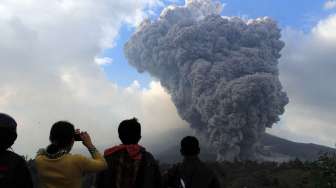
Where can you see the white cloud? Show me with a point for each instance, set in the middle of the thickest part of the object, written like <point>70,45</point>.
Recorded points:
<point>307,72</point>
<point>330,4</point>
<point>326,30</point>
<point>48,72</point>
<point>103,61</point>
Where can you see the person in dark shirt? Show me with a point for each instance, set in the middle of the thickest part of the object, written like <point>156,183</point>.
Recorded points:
<point>192,172</point>
<point>129,164</point>
<point>14,172</point>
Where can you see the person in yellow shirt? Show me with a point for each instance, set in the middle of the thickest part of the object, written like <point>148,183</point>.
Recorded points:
<point>57,168</point>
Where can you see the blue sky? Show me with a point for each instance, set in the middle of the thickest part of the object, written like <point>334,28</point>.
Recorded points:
<point>297,14</point>
<point>119,70</point>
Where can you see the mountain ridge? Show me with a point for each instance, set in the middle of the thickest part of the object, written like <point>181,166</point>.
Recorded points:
<point>275,149</point>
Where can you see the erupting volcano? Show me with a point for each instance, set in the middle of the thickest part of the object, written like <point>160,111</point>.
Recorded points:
<point>221,72</point>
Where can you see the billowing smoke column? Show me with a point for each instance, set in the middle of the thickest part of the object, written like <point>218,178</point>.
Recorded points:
<point>221,72</point>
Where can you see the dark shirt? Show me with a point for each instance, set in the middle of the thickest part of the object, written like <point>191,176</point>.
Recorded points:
<point>147,174</point>
<point>14,172</point>
<point>193,172</point>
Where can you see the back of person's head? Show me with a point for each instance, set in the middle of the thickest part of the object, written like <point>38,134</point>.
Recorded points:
<point>130,131</point>
<point>62,135</point>
<point>7,131</point>
<point>190,146</point>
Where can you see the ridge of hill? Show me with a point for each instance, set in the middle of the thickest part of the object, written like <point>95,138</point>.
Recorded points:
<point>275,149</point>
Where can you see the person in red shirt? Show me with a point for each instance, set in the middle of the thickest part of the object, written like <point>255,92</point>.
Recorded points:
<point>129,164</point>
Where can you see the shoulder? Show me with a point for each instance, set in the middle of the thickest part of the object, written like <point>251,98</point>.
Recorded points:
<point>15,160</point>
<point>206,168</point>
<point>14,157</point>
<point>114,156</point>
<point>204,165</point>
<point>148,156</point>
<point>39,158</point>
<point>113,150</point>
<point>172,171</point>
<point>149,160</point>
<point>76,157</point>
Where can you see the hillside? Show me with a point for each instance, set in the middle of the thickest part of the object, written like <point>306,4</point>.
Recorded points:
<point>302,151</point>
<point>275,148</point>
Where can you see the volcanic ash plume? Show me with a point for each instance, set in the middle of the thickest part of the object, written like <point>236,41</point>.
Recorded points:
<point>221,72</point>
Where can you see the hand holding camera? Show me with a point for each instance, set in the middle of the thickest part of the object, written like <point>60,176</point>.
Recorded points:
<point>84,137</point>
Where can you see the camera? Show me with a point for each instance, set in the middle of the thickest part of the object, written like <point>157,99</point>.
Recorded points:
<point>78,137</point>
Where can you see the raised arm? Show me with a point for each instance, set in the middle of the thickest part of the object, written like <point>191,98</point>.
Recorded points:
<point>97,162</point>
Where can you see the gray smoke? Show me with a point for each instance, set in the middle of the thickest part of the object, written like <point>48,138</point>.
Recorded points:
<point>221,72</point>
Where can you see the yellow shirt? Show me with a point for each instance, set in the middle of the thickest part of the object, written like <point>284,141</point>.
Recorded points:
<point>67,171</point>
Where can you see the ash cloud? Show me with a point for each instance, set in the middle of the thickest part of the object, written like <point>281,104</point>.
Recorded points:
<point>221,72</point>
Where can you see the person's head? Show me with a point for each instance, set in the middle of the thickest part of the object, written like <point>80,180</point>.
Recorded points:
<point>62,135</point>
<point>129,131</point>
<point>189,146</point>
<point>7,131</point>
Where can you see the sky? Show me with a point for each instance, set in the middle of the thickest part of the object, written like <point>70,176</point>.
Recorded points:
<point>64,60</point>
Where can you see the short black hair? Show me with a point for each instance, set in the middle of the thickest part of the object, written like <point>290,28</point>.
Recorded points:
<point>190,146</point>
<point>8,133</point>
<point>129,131</point>
<point>62,134</point>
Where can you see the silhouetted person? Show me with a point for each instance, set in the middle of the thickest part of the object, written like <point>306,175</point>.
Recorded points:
<point>14,172</point>
<point>57,168</point>
<point>192,172</point>
<point>130,165</point>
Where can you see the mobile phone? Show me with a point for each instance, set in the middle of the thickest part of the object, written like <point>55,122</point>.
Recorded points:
<point>78,137</point>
